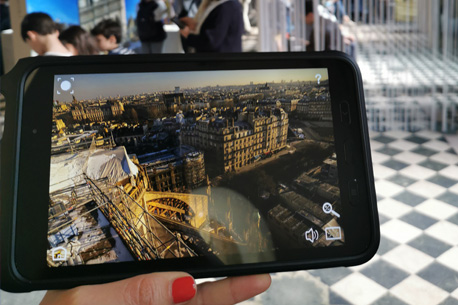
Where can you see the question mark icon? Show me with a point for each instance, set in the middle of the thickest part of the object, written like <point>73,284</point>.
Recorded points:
<point>318,77</point>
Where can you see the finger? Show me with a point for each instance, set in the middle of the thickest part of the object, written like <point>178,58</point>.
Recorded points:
<point>158,288</point>
<point>231,290</point>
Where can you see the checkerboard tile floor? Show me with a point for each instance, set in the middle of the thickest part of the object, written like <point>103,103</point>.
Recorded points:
<point>416,179</point>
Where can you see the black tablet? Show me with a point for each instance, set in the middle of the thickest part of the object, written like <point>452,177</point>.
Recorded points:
<point>217,165</point>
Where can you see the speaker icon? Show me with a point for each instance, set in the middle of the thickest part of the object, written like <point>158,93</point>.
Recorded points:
<point>311,235</point>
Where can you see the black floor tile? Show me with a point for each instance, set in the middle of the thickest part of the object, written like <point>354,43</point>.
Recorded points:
<point>441,276</point>
<point>386,245</point>
<point>384,273</point>
<point>424,151</point>
<point>449,197</point>
<point>384,139</point>
<point>451,151</point>
<point>388,151</point>
<point>419,220</point>
<point>335,299</point>
<point>389,299</point>
<point>417,139</point>
<point>443,181</point>
<point>449,301</point>
<point>410,198</point>
<point>331,276</point>
<point>454,219</point>
<point>394,164</point>
<point>401,180</point>
<point>435,166</point>
<point>382,219</point>
<point>429,245</point>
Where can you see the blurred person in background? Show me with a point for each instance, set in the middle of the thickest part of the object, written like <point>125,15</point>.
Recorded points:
<point>217,27</point>
<point>150,26</point>
<point>186,8</point>
<point>246,15</point>
<point>40,32</point>
<point>330,27</point>
<point>334,38</point>
<point>108,34</point>
<point>337,8</point>
<point>78,41</point>
<point>5,24</point>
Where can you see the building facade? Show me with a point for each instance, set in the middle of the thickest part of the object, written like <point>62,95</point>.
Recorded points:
<point>170,172</point>
<point>235,144</point>
<point>98,112</point>
<point>173,99</point>
<point>319,110</point>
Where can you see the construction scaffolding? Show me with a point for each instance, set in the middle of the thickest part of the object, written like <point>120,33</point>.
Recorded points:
<point>136,226</point>
<point>141,232</point>
<point>407,51</point>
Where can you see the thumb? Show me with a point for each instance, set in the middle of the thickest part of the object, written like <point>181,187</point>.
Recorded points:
<point>149,289</point>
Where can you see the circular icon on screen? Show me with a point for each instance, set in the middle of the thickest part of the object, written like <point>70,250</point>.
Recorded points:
<point>65,85</point>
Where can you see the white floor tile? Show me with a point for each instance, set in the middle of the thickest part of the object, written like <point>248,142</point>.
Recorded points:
<point>409,157</point>
<point>375,258</point>
<point>397,134</point>
<point>376,145</point>
<point>288,288</point>
<point>428,134</point>
<point>10,298</point>
<point>382,172</point>
<point>454,189</point>
<point>452,140</point>
<point>374,134</point>
<point>436,209</point>
<point>436,145</point>
<point>416,291</point>
<point>446,158</point>
<point>426,189</point>
<point>359,289</point>
<point>378,158</point>
<point>417,172</point>
<point>393,208</point>
<point>403,145</point>
<point>399,231</point>
<point>450,258</point>
<point>445,231</point>
<point>455,293</point>
<point>450,172</point>
<point>387,189</point>
<point>408,259</point>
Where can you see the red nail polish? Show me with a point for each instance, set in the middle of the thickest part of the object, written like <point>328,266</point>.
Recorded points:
<point>183,289</point>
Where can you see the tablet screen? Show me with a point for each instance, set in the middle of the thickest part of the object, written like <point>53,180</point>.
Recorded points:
<point>160,165</point>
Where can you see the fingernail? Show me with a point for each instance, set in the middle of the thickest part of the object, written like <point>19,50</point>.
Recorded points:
<point>183,289</point>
